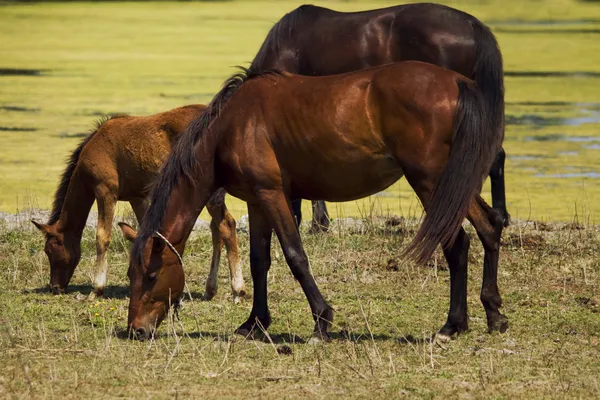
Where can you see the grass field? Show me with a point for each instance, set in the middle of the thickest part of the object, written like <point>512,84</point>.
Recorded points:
<point>143,58</point>
<point>140,59</point>
<point>67,346</point>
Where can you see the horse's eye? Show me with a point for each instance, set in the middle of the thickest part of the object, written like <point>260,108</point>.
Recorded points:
<point>152,277</point>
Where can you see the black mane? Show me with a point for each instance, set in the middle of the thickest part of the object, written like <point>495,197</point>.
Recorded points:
<point>183,162</point>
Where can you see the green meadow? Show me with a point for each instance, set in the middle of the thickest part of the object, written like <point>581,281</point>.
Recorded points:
<point>64,65</point>
<point>142,58</point>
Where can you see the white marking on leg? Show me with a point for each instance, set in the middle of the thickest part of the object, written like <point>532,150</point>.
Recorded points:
<point>101,275</point>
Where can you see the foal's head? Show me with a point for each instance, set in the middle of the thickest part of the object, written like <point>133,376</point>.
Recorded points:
<point>156,280</point>
<point>64,252</point>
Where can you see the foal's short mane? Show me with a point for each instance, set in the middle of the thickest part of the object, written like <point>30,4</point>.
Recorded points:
<point>182,162</point>
<point>63,187</point>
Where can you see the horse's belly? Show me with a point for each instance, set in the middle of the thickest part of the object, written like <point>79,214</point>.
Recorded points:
<point>346,182</point>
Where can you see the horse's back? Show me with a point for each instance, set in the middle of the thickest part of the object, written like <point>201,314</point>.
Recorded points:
<point>127,152</point>
<point>308,41</point>
<point>329,127</point>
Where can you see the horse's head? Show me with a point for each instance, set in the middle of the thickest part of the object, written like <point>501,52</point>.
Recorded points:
<point>156,282</point>
<point>64,252</point>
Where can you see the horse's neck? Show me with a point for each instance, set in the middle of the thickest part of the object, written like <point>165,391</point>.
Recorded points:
<point>76,207</point>
<point>185,204</point>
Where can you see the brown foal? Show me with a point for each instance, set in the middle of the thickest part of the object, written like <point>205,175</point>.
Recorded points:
<point>269,138</point>
<point>119,161</point>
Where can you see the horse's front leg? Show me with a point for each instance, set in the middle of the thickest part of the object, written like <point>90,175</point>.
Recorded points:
<point>278,210</point>
<point>260,262</point>
<point>106,199</point>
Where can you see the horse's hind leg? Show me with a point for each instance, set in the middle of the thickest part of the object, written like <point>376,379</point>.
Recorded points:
<point>297,210</point>
<point>423,181</point>
<point>140,206</point>
<point>458,258</point>
<point>223,231</point>
<point>498,189</point>
<point>488,224</point>
<point>106,198</point>
<point>320,221</point>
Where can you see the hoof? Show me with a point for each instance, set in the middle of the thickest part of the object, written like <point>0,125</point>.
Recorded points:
<point>319,337</point>
<point>238,295</point>
<point>208,295</point>
<point>245,331</point>
<point>97,292</point>
<point>249,328</point>
<point>500,324</point>
<point>315,340</point>
<point>505,217</point>
<point>441,338</point>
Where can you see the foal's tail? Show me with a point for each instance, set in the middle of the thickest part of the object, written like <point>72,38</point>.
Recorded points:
<point>471,155</point>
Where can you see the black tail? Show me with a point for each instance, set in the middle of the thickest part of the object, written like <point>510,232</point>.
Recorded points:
<point>471,155</point>
<point>489,75</point>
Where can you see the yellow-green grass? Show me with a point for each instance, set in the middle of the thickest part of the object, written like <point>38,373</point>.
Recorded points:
<point>142,58</point>
<point>69,347</point>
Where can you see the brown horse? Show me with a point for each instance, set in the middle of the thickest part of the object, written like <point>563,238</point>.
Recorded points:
<point>270,138</point>
<point>314,40</point>
<point>119,161</point>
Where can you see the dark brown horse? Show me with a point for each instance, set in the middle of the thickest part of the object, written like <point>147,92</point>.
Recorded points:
<point>272,137</point>
<point>119,161</point>
<point>314,40</point>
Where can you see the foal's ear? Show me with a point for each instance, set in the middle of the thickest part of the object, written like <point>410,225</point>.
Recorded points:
<point>41,227</point>
<point>129,233</point>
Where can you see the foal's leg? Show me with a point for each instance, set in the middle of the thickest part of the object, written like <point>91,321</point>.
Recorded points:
<point>106,197</point>
<point>222,227</point>
<point>229,235</point>
<point>320,221</point>
<point>497,183</point>
<point>260,262</point>
<point>488,224</point>
<point>140,206</point>
<point>277,209</point>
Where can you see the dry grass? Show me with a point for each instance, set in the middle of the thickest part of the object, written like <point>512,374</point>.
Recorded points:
<point>65,346</point>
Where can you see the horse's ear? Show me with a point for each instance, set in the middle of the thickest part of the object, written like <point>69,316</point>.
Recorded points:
<point>129,233</point>
<point>41,227</point>
<point>158,243</point>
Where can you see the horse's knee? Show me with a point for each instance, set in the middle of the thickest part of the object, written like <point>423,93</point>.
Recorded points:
<point>298,263</point>
<point>490,297</point>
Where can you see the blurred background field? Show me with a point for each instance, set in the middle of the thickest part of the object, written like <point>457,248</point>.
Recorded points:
<point>64,65</point>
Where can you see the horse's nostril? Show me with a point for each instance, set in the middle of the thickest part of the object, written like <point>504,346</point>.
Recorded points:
<point>140,333</point>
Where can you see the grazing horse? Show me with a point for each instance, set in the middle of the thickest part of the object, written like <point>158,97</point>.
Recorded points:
<point>314,40</point>
<point>119,161</point>
<point>272,137</point>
